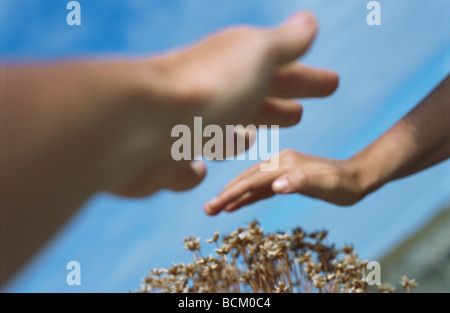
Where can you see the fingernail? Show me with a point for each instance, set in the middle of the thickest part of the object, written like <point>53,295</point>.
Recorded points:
<point>213,201</point>
<point>302,19</point>
<point>209,206</point>
<point>198,167</point>
<point>281,185</point>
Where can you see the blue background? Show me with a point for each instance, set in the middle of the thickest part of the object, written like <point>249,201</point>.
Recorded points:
<point>385,70</point>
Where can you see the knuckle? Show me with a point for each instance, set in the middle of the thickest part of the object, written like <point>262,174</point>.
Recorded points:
<point>288,152</point>
<point>288,156</point>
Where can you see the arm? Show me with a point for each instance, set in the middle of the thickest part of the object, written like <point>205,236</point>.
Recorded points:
<point>419,140</point>
<point>75,128</point>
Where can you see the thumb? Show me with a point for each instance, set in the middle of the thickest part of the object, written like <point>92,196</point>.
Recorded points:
<point>185,176</point>
<point>189,177</point>
<point>291,39</point>
<point>295,182</point>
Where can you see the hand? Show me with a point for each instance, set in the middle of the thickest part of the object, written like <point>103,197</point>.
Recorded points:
<point>243,75</point>
<point>237,74</point>
<point>411,145</point>
<point>338,182</point>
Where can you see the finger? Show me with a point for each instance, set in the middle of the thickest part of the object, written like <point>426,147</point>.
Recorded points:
<point>187,176</point>
<point>235,140</point>
<point>291,39</point>
<point>290,183</point>
<point>276,111</point>
<point>246,175</point>
<point>311,185</point>
<point>247,182</point>
<point>216,205</point>
<point>295,80</point>
<point>249,198</point>
<point>325,186</point>
<point>239,139</point>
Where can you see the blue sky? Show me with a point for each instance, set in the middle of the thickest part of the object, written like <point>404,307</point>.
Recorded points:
<point>385,70</point>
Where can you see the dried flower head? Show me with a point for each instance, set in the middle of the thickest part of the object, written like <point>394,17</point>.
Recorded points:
<point>386,288</point>
<point>224,250</point>
<point>319,281</point>
<point>408,283</point>
<point>214,238</point>
<point>280,287</point>
<point>192,244</point>
<point>250,260</point>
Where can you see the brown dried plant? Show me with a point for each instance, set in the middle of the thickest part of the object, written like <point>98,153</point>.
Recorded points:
<point>249,260</point>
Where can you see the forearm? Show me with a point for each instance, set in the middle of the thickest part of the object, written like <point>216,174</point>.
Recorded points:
<point>440,154</point>
<point>75,113</point>
<point>66,128</point>
<point>419,140</point>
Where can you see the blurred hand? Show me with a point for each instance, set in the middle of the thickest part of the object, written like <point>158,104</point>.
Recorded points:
<point>243,75</point>
<point>330,180</point>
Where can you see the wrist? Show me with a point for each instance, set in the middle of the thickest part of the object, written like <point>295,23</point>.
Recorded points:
<point>366,174</point>
<point>133,108</point>
<point>148,99</point>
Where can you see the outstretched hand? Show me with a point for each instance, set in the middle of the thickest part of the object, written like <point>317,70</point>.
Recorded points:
<point>243,75</point>
<point>410,146</point>
<point>248,74</point>
<point>334,181</point>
